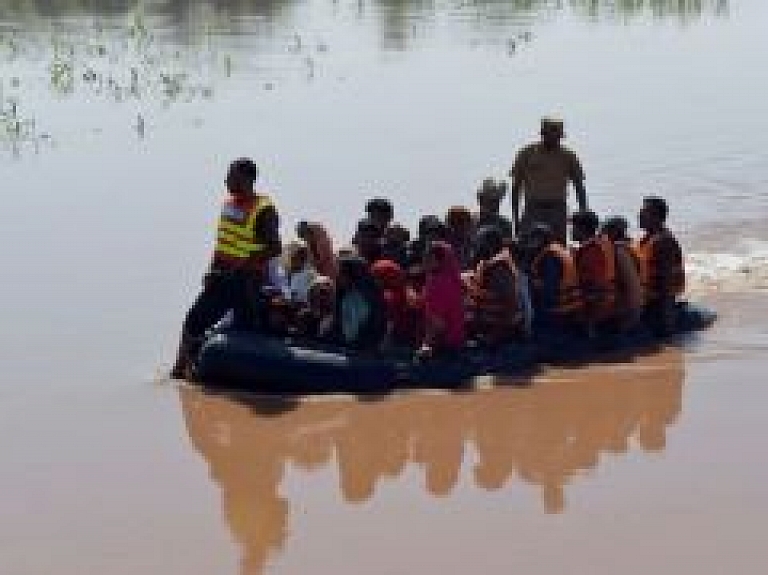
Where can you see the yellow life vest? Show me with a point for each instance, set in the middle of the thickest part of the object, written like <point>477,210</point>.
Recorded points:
<point>236,240</point>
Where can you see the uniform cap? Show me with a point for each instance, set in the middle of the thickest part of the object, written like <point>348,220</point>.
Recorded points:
<point>553,125</point>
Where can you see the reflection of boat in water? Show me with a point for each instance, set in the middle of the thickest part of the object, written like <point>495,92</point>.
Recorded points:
<point>544,435</point>
<point>244,360</point>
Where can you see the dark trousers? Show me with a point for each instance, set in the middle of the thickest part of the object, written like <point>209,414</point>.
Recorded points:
<point>222,291</point>
<point>553,213</point>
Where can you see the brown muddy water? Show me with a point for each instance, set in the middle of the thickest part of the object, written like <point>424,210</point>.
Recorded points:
<point>116,124</point>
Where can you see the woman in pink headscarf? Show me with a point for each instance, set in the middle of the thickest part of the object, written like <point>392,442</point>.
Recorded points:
<point>443,301</point>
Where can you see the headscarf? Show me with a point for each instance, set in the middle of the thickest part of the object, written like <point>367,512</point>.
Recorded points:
<point>392,280</point>
<point>443,293</point>
<point>321,249</point>
<point>390,276</point>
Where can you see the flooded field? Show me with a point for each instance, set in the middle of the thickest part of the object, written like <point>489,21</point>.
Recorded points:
<point>117,121</point>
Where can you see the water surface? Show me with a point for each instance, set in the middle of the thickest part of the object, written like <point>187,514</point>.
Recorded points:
<point>117,121</point>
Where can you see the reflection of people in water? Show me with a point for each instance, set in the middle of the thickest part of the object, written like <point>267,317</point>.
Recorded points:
<point>545,434</point>
<point>246,454</point>
<point>559,426</point>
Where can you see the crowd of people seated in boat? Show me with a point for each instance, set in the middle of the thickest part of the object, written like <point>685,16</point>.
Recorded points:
<point>465,276</point>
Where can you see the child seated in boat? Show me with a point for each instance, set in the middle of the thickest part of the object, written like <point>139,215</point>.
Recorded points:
<point>443,301</point>
<point>315,321</point>
<point>300,272</point>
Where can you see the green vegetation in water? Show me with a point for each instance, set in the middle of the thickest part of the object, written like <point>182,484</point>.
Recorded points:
<point>117,60</point>
<point>684,10</point>
<point>17,132</point>
<point>164,52</point>
<point>184,13</point>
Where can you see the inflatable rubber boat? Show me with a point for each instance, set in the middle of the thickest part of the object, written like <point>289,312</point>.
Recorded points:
<point>254,362</point>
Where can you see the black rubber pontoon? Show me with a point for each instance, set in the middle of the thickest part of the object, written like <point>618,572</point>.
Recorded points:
<point>253,362</point>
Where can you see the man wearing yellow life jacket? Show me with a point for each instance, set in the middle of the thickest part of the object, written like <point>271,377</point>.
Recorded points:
<point>662,270</point>
<point>247,238</point>
<point>496,312</point>
<point>555,285</point>
<point>595,261</point>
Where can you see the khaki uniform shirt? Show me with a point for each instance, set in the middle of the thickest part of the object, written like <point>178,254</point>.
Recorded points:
<point>545,173</point>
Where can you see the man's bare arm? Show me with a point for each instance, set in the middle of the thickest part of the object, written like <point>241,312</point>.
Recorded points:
<point>581,194</point>
<point>514,196</point>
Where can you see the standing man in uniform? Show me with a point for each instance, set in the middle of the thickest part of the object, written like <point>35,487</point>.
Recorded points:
<point>247,239</point>
<point>540,176</point>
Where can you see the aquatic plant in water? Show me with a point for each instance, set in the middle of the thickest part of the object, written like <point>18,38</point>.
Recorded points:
<point>117,59</point>
<point>17,132</point>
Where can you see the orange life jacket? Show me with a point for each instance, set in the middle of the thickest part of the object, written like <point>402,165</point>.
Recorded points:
<point>237,243</point>
<point>495,315</point>
<point>629,280</point>
<point>599,288</point>
<point>645,252</point>
<point>569,298</point>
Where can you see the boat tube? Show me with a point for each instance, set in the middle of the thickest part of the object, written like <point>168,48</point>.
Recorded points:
<point>260,363</point>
